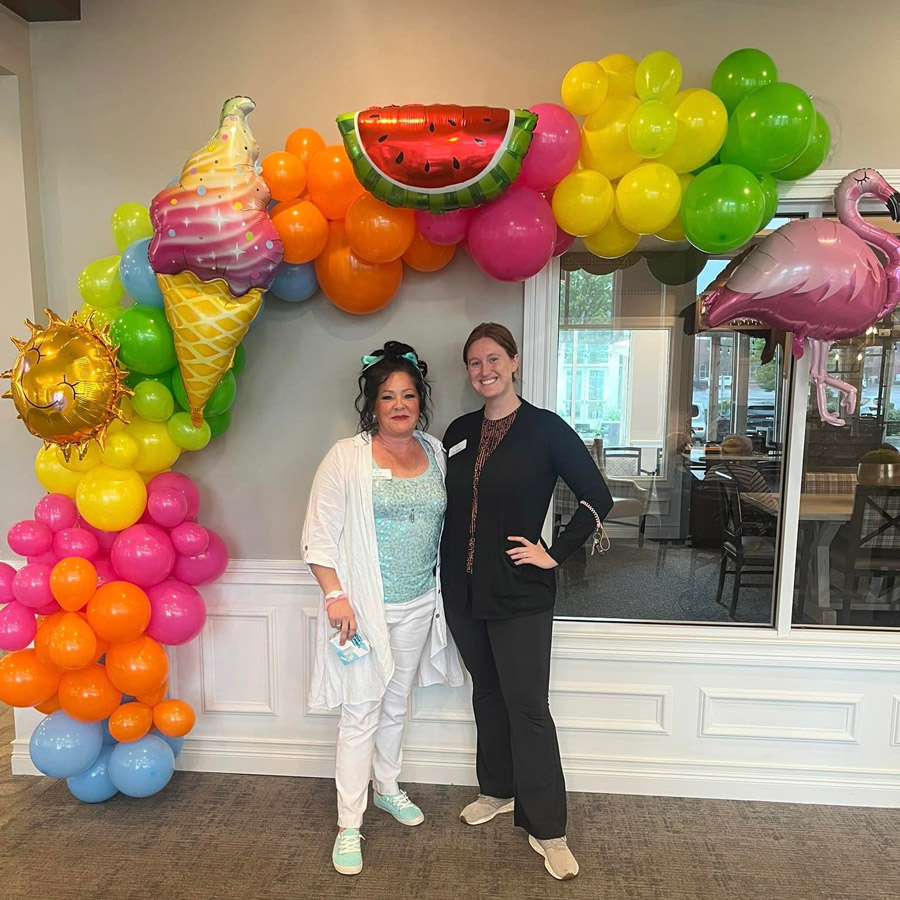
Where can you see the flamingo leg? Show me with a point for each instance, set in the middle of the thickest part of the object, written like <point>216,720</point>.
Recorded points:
<point>819,374</point>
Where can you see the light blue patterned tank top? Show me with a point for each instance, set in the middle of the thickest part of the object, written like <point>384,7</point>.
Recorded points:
<point>408,517</point>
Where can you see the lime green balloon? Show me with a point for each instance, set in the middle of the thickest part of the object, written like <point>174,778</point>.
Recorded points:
<point>130,222</point>
<point>240,360</point>
<point>740,73</point>
<point>652,129</point>
<point>770,193</point>
<point>812,157</point>
<point>218,425</point>
<point>135,378</point>
<point>220,400</point>
<point>722,208</point>
<point>658,76</point>
<point>186,435</point>
<point>153,401</point>
<point>145,340</point>
<point>99,282</point>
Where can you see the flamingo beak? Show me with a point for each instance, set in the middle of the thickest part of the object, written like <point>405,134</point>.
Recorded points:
<point>893,205</point>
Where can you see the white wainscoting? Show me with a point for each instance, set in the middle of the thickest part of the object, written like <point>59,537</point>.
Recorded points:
<point>730,712</point>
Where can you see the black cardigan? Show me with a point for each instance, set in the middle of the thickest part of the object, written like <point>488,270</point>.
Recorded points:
<point>514,494</point>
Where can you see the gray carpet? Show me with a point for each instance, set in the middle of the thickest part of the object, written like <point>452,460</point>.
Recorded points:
<point>245,837</point>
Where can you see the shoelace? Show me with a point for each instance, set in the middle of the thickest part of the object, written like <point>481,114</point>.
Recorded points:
<point>559,843</point>
<point>348,842</point>
<point>400,800</point>
<point>493,801</point>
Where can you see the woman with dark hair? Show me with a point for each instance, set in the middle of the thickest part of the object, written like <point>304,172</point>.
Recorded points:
<point>371,538</point>
<point>499,587</point>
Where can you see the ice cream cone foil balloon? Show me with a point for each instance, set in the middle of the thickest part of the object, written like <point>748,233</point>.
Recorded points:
<point>214,251</point>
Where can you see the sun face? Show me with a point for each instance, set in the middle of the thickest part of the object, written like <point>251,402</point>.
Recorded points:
<point>66,384</point>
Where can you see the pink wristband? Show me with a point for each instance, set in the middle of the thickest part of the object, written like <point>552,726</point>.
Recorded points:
<point>330,600</point>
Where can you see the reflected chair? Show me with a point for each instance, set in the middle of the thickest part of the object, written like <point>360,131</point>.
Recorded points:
<point>621,461</point>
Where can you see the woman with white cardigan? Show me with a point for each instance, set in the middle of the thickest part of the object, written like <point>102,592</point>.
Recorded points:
<point>371,540</point>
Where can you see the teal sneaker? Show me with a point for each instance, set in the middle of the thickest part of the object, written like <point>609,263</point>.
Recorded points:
<point>347,853</point>
<point>400,807</point>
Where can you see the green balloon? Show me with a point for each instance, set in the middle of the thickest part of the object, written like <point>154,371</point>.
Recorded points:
<point>135,378</point>
<point>144,339</point>
<point>99,283</point>
<point>218,425</point>
<point>812,157</point>
<point>220,400</point>
<point>240,360</point>
<point>185,435</point>
<point>740,73</point>
<point>722,209</point>
<point>676,267</point>
<point>153,401</point>
<point>770,194</point>
<point>130,222</point>
<point>770,128</point>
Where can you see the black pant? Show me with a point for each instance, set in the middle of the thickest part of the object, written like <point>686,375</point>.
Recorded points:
<point>518,755</point>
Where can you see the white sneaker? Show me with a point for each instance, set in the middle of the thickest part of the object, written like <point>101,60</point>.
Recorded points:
<point>558,859</point>
<point>485,808</point>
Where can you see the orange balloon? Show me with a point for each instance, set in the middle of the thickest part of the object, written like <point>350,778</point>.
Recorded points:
<point>302,228</point>
<point>72,582</point>
<point>285,174</point>
<point>377,232</point>
<point>174,718</point>
<point>331,181</point>
<point>423,256</point>
<point>153,697</point>
<point>137,667</point>
<point>351,283</point>
<point>42,641</point>
<point>102,643</point>
<point>130,722</point>
<point>25,681</point>
<point>49,706</point>
<point>304,143</point>
<point>88,694</point>
<point>73,644</point>
<point>119,611</point>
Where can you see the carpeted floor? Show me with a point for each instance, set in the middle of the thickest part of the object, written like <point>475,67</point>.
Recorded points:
<point>238,837</point>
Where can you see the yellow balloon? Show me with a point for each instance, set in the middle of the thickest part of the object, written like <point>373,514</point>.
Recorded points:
<point>583,202</point>
<point>99,283</point>
<point>604,138</point>
<point>87,462</point>
<point>620,69</point>
<point>702,124</point>
<point>612,241</point>
<point>648,198</point>
<point>584,88</point>
<point>157,450</point>
<point>121,451</point>
<point>111,499</point>
<point>652,129</point>
<point>658,76</point>
<point>53,475</point>
<point>674,231</point>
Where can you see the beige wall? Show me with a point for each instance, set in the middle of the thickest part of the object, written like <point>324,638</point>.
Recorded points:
<point>122,97</point>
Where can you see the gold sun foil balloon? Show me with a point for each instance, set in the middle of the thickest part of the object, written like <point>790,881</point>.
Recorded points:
<point>66,384</point>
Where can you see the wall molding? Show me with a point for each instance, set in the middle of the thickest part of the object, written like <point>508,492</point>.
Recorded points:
<point>819,186</point>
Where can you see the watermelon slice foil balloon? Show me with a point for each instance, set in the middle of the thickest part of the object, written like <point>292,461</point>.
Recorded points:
<point>437,157</point>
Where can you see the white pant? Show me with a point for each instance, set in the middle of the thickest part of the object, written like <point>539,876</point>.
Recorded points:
<point>370,734</point>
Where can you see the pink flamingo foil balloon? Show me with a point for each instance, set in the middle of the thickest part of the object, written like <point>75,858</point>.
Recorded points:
<point>820,280</point>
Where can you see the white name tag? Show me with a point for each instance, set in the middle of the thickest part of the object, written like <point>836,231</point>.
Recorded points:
<point>381,473</point>
<point>456,448</point>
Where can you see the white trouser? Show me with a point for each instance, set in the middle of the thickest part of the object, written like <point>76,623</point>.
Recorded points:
<point>370,734</point>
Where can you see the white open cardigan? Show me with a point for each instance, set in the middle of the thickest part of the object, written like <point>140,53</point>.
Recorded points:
<point>339,532</point>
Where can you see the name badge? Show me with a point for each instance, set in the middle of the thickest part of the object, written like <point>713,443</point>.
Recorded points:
<point>456,448</point>
<point>382,473</point>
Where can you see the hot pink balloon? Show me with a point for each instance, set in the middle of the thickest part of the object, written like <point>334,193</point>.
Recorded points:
<point>105,539</point>
<point>181,483</point>
<point>29,538</point>
<point>554,148</point>
<point>48,608</point>
<point>56,511</point>
<point>7,573</point>
<point>50,558</point>
<point>444,228</point>
<point>76,542</point>
<point>513,237</point>
<point>31,584</point>
<point>17,627</point>
<point>167,506</point>
<point>105,572</point>
<point>177,613</point>
<point>189,538</point>
<point>143,554</point>
<point>564,240</point>
<point>206,567</point>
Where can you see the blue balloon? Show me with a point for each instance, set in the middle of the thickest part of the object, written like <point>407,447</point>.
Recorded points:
<point>108,739</point>
<point>62,746</point>
<point>175,743</point>
<point>138,278</point>
<point>141,768</point>
<point>93,785</point>
<point>295,282</point>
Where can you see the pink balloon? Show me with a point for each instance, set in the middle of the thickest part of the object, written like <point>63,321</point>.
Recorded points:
<point>48,608</point>
<point>190,539</point>
<point>444,228</point>
<point>29,538</point>
<point>105,571</point>
<point>177,613</point>
<point>181,483</point>
<point>49,557</point>
<point>564,240</point>
<point>206,567</point>
<point>167,506</point>
<point>31,584</point>
<point>76,542</point>
<point>554,148</point>
<point>143,554</point>
<point>17,627</point>
<point>105,539</point>
<point>512,238</point>
<point>56,511</point>
<point>7,573</point>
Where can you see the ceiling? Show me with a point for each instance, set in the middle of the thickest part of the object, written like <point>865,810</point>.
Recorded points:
<point>45,10</point>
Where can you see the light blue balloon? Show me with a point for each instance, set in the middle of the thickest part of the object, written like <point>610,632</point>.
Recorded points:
<point>295,282</point>
<point>93,785</point>
<point>138,277</point>
<point>108,739</point>
<point>62,746</point>
<point>175,743</point>
<point>141,768</point>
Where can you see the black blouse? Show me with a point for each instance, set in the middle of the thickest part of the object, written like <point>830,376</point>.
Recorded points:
<point>514,493</point>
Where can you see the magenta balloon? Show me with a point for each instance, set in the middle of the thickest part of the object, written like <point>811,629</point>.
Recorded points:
<point>29,538</point>
<point>167,506</point>
<point>181,483</point>
<point>7,573</point>
<point>206,567</point>
<point>189,538</point>
<point>76,542</point>
<point>17,627</point>
<point>513,237</point>
<point>444,228</point>
<point>48,608</point>
<point>49,557</point>
<point>105,539</point>
<point>564,240</point>
<point>31,584</point>
<point>56,511</point>
<point>177,613</point>
<point>554,148</point>
<point>143,554</point>
<point>105,572</point>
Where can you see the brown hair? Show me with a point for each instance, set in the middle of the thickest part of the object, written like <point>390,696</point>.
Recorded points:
<point>499,333</point>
